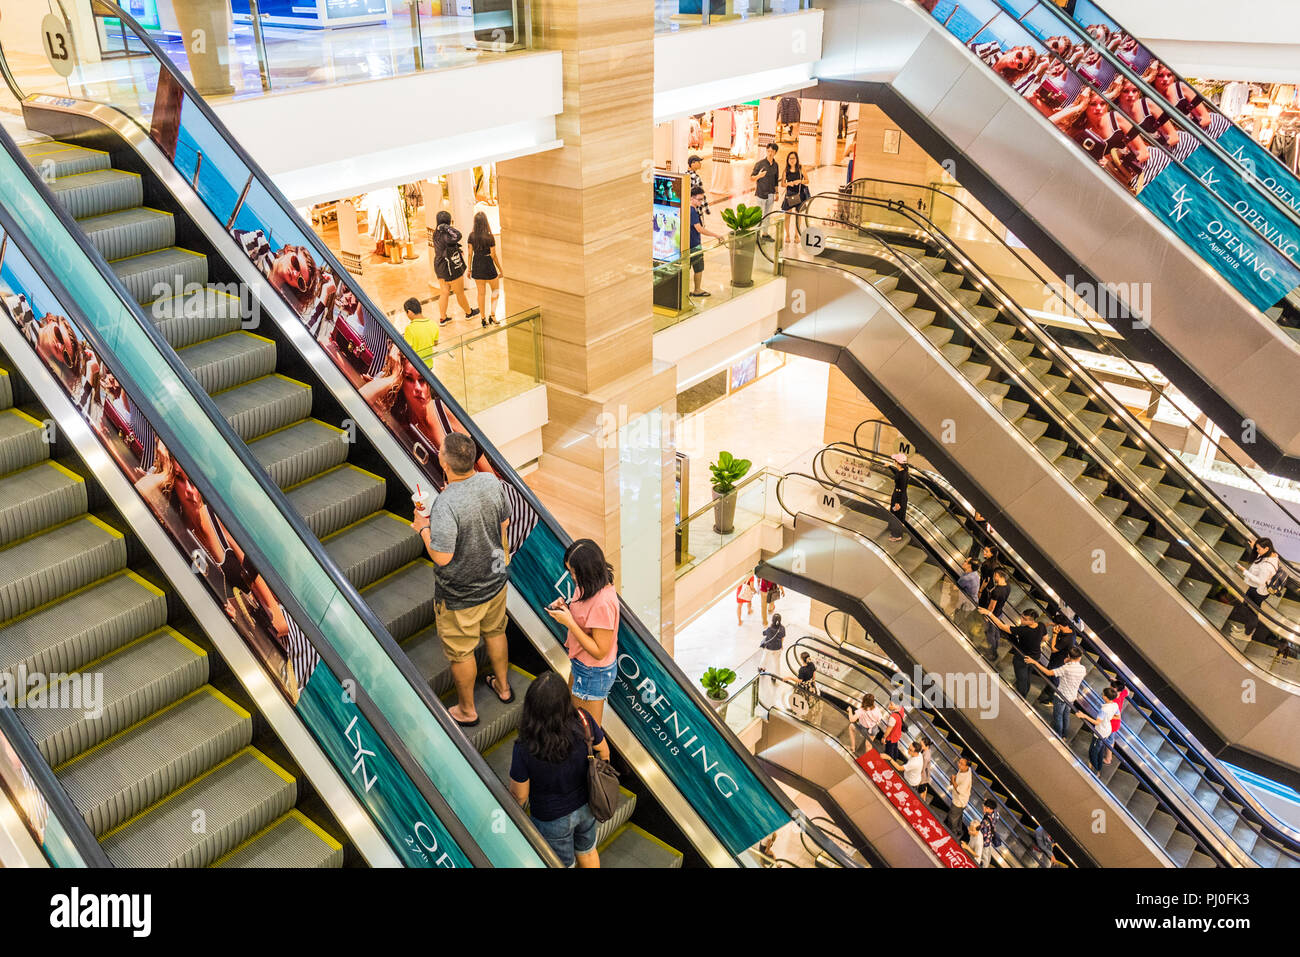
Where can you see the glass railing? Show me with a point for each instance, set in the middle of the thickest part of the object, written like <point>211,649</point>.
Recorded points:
<point>708,529</point>
<point>240,48</point>
<point>733,266</point>
<point>485,368</point>
<point>674,15</point>
<point>323,605</point>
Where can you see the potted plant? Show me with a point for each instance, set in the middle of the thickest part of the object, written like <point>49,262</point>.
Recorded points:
<point>743,221</point>
<point>727,471</point>
<point>715,682</point>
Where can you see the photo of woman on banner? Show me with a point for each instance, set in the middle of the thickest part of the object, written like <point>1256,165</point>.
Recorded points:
<point>248,601</point>
<point>1057,89</point>
<point>1183,98</point>
<point>1153,119</point>
<point>28,799</point>
<point>1116,145</point>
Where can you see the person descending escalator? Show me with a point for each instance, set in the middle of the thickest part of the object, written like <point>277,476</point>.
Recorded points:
<point>1261,565</point>
<point>898,497</point>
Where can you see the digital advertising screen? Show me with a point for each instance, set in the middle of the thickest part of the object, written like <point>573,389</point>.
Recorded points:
<point>666,218</point>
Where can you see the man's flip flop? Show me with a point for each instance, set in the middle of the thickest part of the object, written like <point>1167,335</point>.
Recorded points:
<point>491,682</point>
<point>465,724</point>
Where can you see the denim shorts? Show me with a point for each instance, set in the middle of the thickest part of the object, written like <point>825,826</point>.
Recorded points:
<point>575,833</point>
<point>592,684</point>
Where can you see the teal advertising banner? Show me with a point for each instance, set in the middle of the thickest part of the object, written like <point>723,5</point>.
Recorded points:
<point>1222,218</point>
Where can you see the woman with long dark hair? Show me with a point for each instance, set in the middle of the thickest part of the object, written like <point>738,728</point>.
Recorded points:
<point>592,617</point>
<point>548,771</point>
<point>1260,565</point>
<point>449,266</point>
<point>484,267</point>
<point>796,182</point>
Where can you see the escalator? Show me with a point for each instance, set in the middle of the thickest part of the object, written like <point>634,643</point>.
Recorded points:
<point>1127,533</point>
<point>912,611</point>
<point>80,597</point>
<point>337,461</point>
<point>844,675</point>
<point>1230,356</point>
<point>1148,733</point>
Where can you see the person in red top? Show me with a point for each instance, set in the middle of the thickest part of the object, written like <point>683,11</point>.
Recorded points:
<point>895,732</point>
<point>1122,691</point>
<point>592,617</point>
<point>768,593</point>
<point>745,598</point>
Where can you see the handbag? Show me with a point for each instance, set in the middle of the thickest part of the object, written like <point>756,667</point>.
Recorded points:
<point>747,591</point>
<point>602,778</point>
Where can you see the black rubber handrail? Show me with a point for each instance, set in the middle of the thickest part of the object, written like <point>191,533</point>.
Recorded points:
<point>247,542</point>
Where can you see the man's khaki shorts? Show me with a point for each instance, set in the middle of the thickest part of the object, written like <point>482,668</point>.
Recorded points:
<point>461,628</point>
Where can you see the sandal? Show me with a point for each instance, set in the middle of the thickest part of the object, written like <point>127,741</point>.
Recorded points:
<point>491,682</point>
<point>463,724</point>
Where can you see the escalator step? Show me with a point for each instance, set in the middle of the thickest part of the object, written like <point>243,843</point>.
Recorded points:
<point>239,797</point>
<point>425,650</point>
<point>99,192</point>
<point>1111,507</point>
<point>1208,532</point>
<point>53,159</point>
<point>1130,456</point>
<point>1229,551</point>
<point>295,454</point>
<point>337,498</point>
<point>130,232</point>
<point>22,441</point>
<point>1089,487</point>
<point>1038,367</point>
<point>264,405</point>
<point>995,392</point>
<point>1161,826</point>
<point>1201,860</point>
<point>227,361</point>
<point>1112,438</point>
<point>1020,348</point>
<point>1070,467</point>
<point>163,273</point>
<point>1153,548</point>
<point>1031,428</point>
<point>1051,449</point>
<point>195,317</point>
<point>119,778</point>
<point>955,354</point>
<point>922,318</point>
<point>938,335</point>
<point>38,497</point>
<point>1216,611</point>
<point>1092,421</point>
<point>403,601</point>
<point>496,719</point>
<point>292,841</point>
<point>1133,529</point>
<point>1122,785</point>
<point>1180,848</point>
<point>500,756</point>
<point>1003,331</point>
<point>984,314</point>
<point>62,559</point>
<point>1056,384</point>
<point>1174,569</point>
<point>901,299</point>
<point>1194,591</point>
<point>374,547</point>
<point>976,372</point>
<point>1075,402</point>
<point>1141,805</point>
<point>1188,513</point>
<point>83,626</point>
<point>632,847</point>
<point>137,680</point>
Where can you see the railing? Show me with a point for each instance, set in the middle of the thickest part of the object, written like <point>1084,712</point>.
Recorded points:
<point>721,257</point>
<point>673,15</point>
<point>485,368</point>
<point>246,52</point>
<point>699,535</point>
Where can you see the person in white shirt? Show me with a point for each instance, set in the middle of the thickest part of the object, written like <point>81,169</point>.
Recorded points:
<point>1068,677</point>
<point>974,843</point>
<point>961,784</point>
<point>912,769</point>
<point>865,718</point>
<point>1264,564</point>
<point>1101,727</point>
<point>923,743</point>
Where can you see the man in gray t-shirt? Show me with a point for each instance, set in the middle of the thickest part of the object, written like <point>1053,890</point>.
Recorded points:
<point>465,535</point>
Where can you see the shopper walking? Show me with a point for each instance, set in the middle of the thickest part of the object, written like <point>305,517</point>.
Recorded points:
<point>464,532</point>
<point>901,475</point>
<point>765,176</point>
<point>795,184</point>
<point>961,782</point>
<point>695,166</point>
<point>449,266</point>
<point>548,769</point>
<point>591,617</point>
<point>697,249</point>
<point>745,598</point>
<point>421,331</point>
<point>768,593</point>
<point>485,267</point>
<point>867,718</point>
<point>1102,726</point>
<point>895,732</point>
<point>1070,675</point>
<point>772,643</point>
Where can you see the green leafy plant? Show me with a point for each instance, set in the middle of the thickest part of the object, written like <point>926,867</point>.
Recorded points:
<point>727,471</point>
<point>715,682</point>
<point>743,218</point>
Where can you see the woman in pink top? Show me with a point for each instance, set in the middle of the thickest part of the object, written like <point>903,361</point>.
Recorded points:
<point>592,620</point>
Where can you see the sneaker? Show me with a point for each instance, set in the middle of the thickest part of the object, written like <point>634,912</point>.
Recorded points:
<point>444,321</point>
<point>471,314</point>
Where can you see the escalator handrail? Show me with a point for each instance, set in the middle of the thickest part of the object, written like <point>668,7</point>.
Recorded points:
<point>51,790</point>
<point>1105,344</point>
<point>1128,764</point>
<point>1100,393</point>
<point>1014,827</point>
<point>1272,828</point>
<point>1089,442</point>
<point>507,471</point>
<point>249,543</point>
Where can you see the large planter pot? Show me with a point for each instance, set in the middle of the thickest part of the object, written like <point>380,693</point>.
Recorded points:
<point>716,703</point>
<point>724,513</point>
<point>743,249</point>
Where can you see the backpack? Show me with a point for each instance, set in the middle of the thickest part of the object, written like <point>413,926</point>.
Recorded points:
<point>454,260</point>
<point>1277,581</point>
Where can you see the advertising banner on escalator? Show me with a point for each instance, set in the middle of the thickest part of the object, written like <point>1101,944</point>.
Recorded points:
<point>327,708</point>
<point>22,791</point>
<point>918,816</point>
<point>1133,140</point>
<point>691,746</point>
